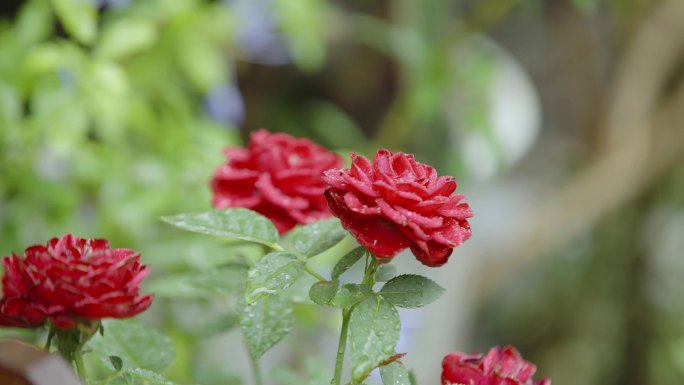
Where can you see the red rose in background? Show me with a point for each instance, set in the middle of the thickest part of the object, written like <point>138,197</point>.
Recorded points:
<point>71,279</point>
<point>500,367</point>
<point>397,202</point>
<point>278,176</point>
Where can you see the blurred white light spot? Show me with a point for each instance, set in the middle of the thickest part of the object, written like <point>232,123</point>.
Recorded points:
<point>479,156</point>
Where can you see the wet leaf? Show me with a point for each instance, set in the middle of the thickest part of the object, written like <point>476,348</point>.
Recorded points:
<point>265,322</point>
<point>385,273</point>
<point>231,223</point>
<point>324,292</point>
<point>347,261</point>
<point>273,273</point>
<point>350,294</point>
<point>315,238</point>
<point>411,291</point>
<point>395,374</point>
<point>374,331</point>
<point>135,344</point>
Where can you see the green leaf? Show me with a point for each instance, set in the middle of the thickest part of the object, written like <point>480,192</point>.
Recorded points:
<point>411,291</point>
<point>137,345</point>
<point>265,322</point>
<point>34,23</point>
<point>315,238</point>
<point>273,273</point>
<point>231,223</point>
<point>203,64</point>
<point>146,377</point>
<point>199,285</point>
<point>125,37</point>
<point>347,261</point>
<point>117,362</point>
<point>395,374</point>
<point>299,291</point>
<point>323,292</point>
<point>385,273</point>
<point>350,294</point>
<point>374,332</point>
<point>78,17</point>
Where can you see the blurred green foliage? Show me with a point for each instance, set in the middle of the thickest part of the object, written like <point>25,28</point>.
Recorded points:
<point>104,127</point>
<point>101,115</point>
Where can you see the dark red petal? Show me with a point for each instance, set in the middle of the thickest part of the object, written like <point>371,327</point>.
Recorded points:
<point>437,254</point>
<point>461,211</point>
<point>227,173</point>
<point>456,370</point>
<point>354,203</point>
<point>430,205</point>
<point>359,185</point>
<point>414,232</point>
<point>413,187</point>
<point>333,178</point>
<point>382,164</point>
<point>306,217</point>
<point>361,169</point>
<point>12,322</point>
<point>379,236</point>
<point>511,364</point>
<point>63,322</point>
<point>20,308</point>
<point>396,196</point>
<point>402,165</point>
<point>275,196</point>
<point>444,185</point>
<point>431,222</point>
<point>281,219</point>
<point>453,234</point>
<point>118,306</point>
<point>12,282</point>
<point>392,214</point>
<point>236,154</point>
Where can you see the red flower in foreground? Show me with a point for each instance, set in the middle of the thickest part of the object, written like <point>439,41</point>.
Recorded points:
<point>397,202</point>
<point>278,176</point>
<point>71,280</point>
<point>500,367</point>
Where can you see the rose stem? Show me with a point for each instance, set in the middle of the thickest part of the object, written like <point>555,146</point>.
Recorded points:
<point>48,343</point>
<point>346,313</point>
<point>314,274</point>
<point>368,279</point>
<point>78,360</point>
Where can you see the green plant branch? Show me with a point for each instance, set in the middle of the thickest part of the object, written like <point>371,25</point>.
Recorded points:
<point>80,367</point>
<point>342,346</point>
<point>371,265</point>
<point>48,343</point>
<point>314,274</point>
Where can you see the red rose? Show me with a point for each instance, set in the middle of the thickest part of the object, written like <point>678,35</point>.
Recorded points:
<point>71,280</point>
<point>500,367</point>
<point>278,176</point>
<point>395,203</point>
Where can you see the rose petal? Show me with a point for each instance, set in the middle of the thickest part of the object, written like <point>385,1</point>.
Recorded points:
<point>379,236</point>
<point>354,204</point>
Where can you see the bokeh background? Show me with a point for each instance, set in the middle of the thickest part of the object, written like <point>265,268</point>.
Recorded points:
<point>563,121</point>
